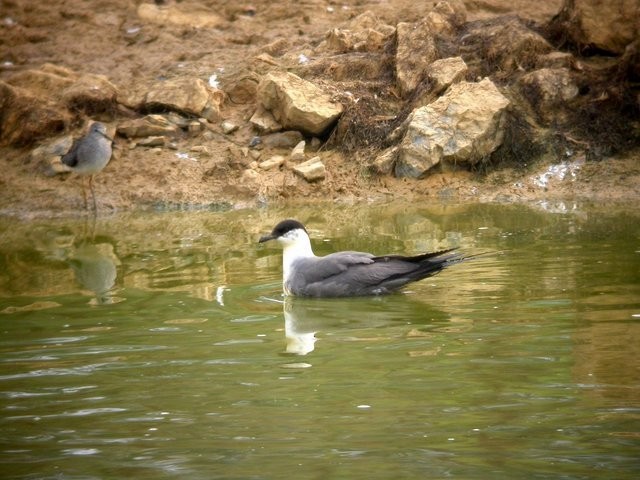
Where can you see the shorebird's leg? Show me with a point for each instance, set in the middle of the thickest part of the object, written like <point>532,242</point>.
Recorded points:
<point>93,194</point>
<point>84,194</point>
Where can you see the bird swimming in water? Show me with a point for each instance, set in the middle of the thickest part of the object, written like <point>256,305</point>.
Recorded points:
<point>348,274</point>
<point>89,155</point>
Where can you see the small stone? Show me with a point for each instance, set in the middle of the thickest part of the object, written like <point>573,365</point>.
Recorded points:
<point>312,170</point>
<point>445,72</point>
<point>177,119</point>
<point>384,163</point>
<point>228,127</point>
<point>264,121</point>
<point>154,141</point>
<point>255,141</point>
<point>297,154</point>
<point>255,154</point>
<point>288,139</point>
<point>271,163</point>
<point>151,125</point>
<point>194,127</point>
<point>201,149</point>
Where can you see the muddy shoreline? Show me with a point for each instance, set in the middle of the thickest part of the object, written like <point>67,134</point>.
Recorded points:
<point>206,168</point>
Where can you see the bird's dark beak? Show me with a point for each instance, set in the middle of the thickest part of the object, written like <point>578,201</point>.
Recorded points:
<point>266,238</point>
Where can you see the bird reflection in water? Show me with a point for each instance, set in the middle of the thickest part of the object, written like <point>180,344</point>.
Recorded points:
<point>95,268</point>
<point>304,318</point>
<point>299,328</point>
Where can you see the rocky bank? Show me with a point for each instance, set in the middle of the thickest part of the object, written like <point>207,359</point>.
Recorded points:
<point>219,104</point>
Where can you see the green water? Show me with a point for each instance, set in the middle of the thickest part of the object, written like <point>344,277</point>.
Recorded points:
<point>160,346</point>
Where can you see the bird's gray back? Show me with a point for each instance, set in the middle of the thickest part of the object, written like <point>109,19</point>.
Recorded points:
<point>90,154</point>
<point>347,274</point>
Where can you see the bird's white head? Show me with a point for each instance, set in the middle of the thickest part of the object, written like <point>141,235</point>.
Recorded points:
<point>294,239</point>
<point>99,129</point>
<point>291,234</point>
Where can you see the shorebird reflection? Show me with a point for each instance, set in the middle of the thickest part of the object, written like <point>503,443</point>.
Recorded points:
<point>298,329</point>
<point>95,268</point>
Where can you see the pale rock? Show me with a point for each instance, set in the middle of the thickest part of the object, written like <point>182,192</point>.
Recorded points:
<point>154,141</point>
<point>186,95</point>
<point>549,91</point>
<point>445,72</point>
<point>148,126</point>
<point>415,50</point>
<point>203,150</point>
<point>186,14</point>
<point>194,127</point>
<point>298,104</point>
<point>383,164</point>
<point>609,26</point>
<point>312,170</point>
<point>297,154</point>
<point>465,125</point>
<point>273,162</point>
<point>179,120</point>
<point>263,121</point>
<point>228,127</point>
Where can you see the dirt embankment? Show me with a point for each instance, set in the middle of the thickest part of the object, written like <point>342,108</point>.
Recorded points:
<point>587,152</point>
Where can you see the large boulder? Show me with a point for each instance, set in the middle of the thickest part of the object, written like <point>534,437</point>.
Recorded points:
<point>86,92</point>
<point>416,46</point>
<point>26,118</point>
<point>550,92</point>
<point>464,126</point>
<point>298,104</point>
<point>91,94</point>
<point>415,50</point>
<point>503,45</point>
<point>186,95</point>
<point>608,26</point>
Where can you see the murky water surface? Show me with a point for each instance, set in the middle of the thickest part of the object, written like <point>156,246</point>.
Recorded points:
<point>160,346</point>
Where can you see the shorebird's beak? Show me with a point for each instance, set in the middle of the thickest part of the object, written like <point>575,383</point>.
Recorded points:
<point>266,238</point>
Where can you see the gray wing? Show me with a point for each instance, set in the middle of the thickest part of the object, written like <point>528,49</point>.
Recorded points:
<point>346,274</point>
<point>315,273</point>
<point>71,157</point>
